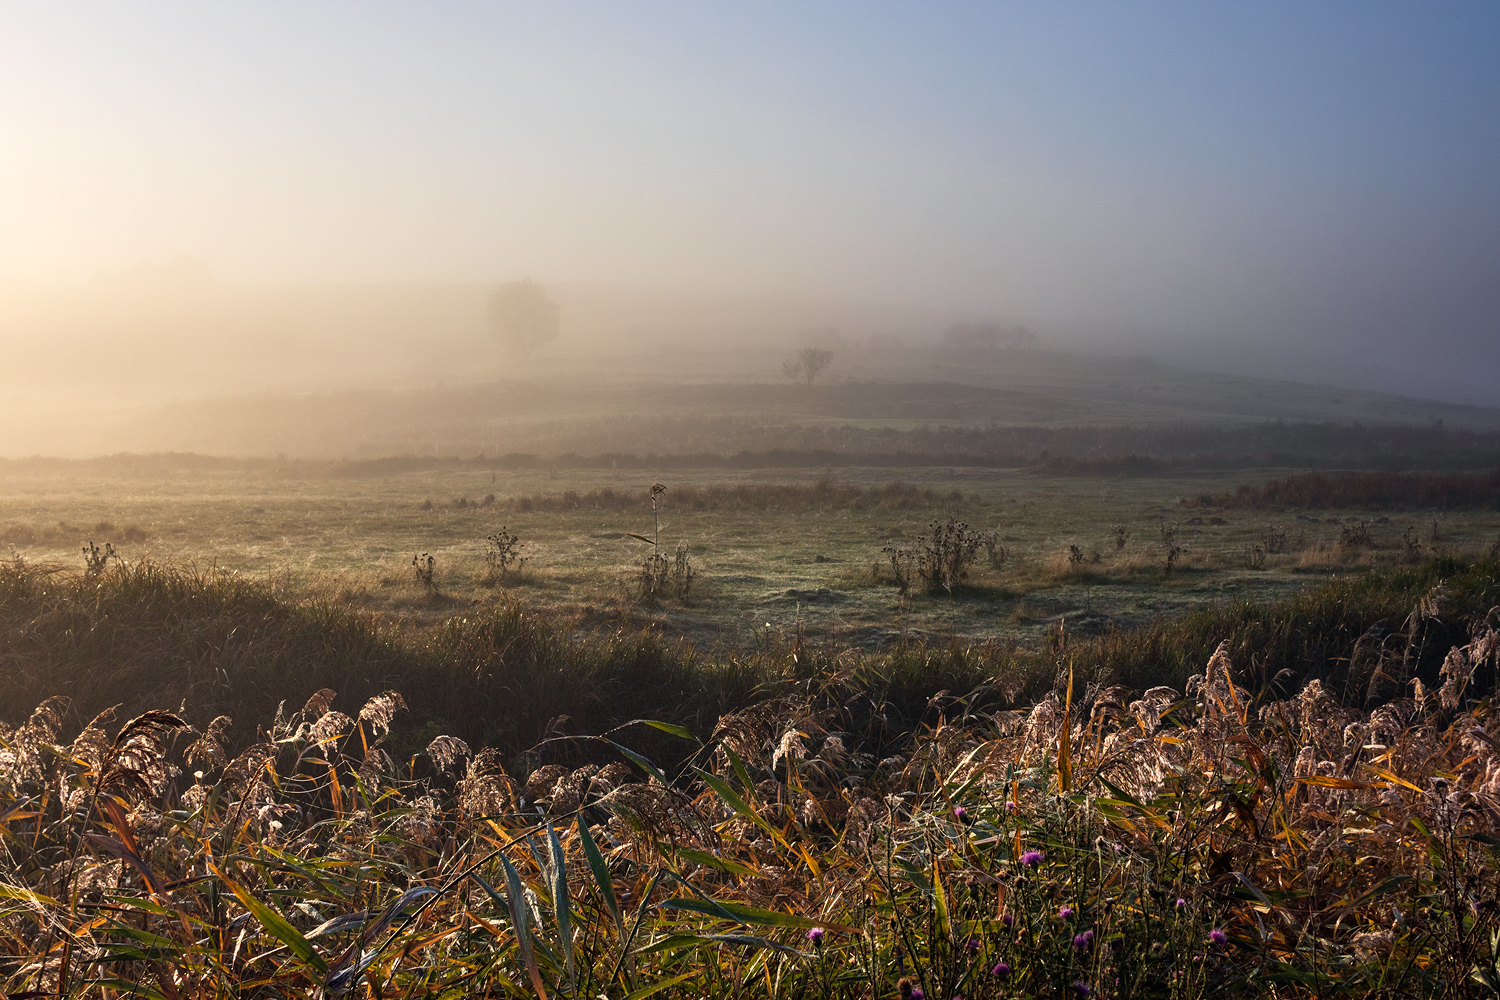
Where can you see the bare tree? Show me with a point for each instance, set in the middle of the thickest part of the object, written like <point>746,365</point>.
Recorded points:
<point>807,364</point>
<point>522,316</point>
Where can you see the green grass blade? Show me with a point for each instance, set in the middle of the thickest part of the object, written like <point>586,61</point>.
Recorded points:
<point>277,925</point>
<point>654,988</point>
<point>562,906</point>
<point>739,805</point>
<point>666,727</point>
<point>517,905</point>
<point>600,869</point>
<point>715,861</point>
<point>638,760</point>
<point>746,914</point>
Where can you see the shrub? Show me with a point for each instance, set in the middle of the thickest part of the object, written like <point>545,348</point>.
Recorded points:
<point>503,552</point>
<point>1171,551</point>
<point>423,568</point>
<point>1356,535</point>
<point>95,559</point>
<point>941,558</point>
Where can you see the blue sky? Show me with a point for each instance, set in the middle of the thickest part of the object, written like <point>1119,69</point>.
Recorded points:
<point>1313,181</point>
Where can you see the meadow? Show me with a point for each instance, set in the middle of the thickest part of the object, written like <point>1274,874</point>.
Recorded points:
<point>780,550</point>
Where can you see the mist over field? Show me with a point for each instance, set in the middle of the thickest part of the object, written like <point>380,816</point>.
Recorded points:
<point>215,203</point>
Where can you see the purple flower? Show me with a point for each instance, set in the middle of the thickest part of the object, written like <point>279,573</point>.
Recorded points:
<point>959,812</point>
<point>1081,942</point>
<point>1011,807</point>
<point>815,935</point>
<point>1218,937</point>
<point>1000,969</point>
<point>1066,913</point>
<point>1008,920</point>
<point>971,945</point>
<point>1181,902</point>
<point>1082,988</point>
<point>917,994</point>
<point>1032,858</point>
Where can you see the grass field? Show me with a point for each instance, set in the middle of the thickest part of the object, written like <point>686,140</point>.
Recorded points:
<point>802,558</point>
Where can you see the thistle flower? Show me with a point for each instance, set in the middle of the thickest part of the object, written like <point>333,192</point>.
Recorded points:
<point>1066,913</point>
<point>1008,920</point>
<point>815,935</point>
<point>1082,988</point>
<point>1000,969</point>
<point>1218,937</point>
<point>1082,942</point>
<point>1181,902</point>
<point>1032,858</point>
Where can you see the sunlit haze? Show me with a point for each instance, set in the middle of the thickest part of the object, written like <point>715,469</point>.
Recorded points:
<point>1289,191</point>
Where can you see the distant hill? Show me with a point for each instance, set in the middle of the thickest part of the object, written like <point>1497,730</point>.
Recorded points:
<point>359,371</point>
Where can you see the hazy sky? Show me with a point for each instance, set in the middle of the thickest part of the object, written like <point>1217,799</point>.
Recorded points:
<point>1318,178</point>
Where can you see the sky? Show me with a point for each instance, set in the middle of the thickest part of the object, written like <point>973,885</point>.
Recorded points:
<point>1305,190</point>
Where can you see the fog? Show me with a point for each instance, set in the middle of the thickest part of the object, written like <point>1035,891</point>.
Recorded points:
<point>207,201</point>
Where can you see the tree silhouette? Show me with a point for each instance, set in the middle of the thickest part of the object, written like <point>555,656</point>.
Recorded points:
<point>807,364</point>
<point>522,317</point>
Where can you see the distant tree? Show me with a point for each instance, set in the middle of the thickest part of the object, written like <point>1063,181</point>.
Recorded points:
<point>522,317</point>
<point>807,364</point>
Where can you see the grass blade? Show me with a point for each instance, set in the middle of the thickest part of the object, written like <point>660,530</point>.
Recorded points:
<point>276,925</point>
<point>561,904</point>
<point>600,869</point>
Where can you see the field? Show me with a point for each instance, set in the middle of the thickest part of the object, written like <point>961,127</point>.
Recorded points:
<point>798,551</point>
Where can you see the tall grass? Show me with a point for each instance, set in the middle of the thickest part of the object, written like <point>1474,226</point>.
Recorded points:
<point>1212,840</point>
<point>144,635</point>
